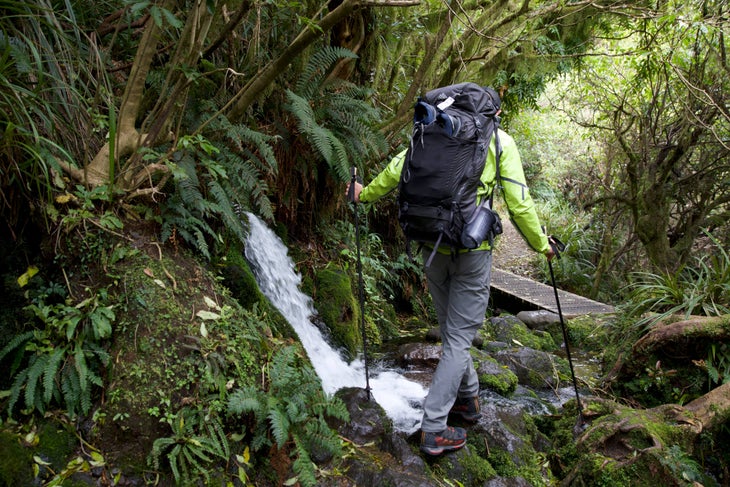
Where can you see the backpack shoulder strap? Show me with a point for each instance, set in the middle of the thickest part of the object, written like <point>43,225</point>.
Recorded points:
<point>498,155</point>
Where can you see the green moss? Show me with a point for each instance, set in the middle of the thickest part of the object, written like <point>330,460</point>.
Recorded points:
<point>238,277</point>
<point>55,444</point>
<point>477,469</point>
<point>648,448</point>
<point>16,462</point>
<point>338,308</point>
<point>586,333</point>
<point>497,377</point>
<point>167,355</point>
<point>52,443</point>
<point>510,329</point>
<point>503,463</point>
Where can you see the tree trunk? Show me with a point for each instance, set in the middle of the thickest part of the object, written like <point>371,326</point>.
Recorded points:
<point>128,138</point>
<point>271,71</point>
<point>681,342</point>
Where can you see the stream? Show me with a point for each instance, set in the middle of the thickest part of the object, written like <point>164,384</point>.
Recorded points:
<point>400,397</point>
<point>278,279</point>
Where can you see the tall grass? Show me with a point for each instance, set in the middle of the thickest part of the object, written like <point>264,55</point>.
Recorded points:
<point>700,288</point>
<point>50,80</point>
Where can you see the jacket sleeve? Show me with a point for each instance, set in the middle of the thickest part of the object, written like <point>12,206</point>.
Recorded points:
<point>385,182</point>
<point>516,195</point>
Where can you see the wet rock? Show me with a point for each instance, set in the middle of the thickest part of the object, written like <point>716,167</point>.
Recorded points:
<point>383,456</point>
<point>419,355</point>
<point>539,320</point>
<point>503,428</point>
<point>510,329</point>
<point>533,368</point>
<point>493,375</point>
<point>368,421</point>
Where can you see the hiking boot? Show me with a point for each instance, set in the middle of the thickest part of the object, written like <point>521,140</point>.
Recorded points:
<point>467,408</point>
<point>437,443</point>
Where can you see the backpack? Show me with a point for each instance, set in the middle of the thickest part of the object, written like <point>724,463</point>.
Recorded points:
<point>452,128</point>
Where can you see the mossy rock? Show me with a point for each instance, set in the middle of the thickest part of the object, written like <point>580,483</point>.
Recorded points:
<point>510,329</point>
<point>238,277</point>
<point>467,465</point>
<point>338,308</point>
<point>52,444</point>
<point>494,376</point>
<point>241,282</point>
<point>16,461</point>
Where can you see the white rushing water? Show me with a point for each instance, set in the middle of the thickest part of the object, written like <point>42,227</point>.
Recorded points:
<point>279,281</point>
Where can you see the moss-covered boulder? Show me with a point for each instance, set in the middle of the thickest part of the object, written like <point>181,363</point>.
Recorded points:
<point>510,329</point>
<point>493,375</point>
<point>338,308</point>
<point>239,279</point>
<point>534,368</point>
<point>33,456</point>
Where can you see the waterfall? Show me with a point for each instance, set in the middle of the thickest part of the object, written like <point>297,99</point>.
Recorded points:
<point>278,279</point>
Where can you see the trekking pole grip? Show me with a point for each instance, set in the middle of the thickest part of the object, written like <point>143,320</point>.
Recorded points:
<point>555,244</point>
<point>353,180</point>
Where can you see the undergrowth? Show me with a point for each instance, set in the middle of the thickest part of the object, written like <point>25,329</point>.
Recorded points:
<point>290,413</point>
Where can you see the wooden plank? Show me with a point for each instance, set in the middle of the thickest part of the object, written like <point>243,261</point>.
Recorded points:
<point>543,296</point>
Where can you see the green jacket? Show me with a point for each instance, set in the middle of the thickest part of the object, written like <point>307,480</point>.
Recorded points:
<point>514,189</point>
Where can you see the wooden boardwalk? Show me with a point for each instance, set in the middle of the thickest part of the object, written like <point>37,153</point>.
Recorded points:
<point>534,295</point>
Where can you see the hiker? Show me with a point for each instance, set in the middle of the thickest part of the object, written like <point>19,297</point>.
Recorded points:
<point>459,286</point>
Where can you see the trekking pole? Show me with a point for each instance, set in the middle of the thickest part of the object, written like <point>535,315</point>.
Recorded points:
<point>558,247</point>
<point>361,292</point>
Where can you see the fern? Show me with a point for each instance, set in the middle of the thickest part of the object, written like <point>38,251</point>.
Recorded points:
<point>319,67</point>
<point>293,411</point>
<point>210,181</point>
<point>65,372</point>
<point>197,442</point>
<point>334,115</point>
<point>15,344</point>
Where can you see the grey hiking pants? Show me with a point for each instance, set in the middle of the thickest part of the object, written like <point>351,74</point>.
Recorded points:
<point>459,288</point>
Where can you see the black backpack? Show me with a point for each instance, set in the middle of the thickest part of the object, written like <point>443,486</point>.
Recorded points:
<point>452,128</point>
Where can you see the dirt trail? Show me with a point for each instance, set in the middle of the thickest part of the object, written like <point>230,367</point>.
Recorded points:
<point>512,252</point>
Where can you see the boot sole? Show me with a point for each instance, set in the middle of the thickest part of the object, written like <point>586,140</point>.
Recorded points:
<point>438,450</point>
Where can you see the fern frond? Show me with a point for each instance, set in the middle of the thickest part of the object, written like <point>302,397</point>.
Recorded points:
<point>218,438</point>
<point>35,371</point>
<point>15,344</point>
<point>220,194</point>
<point>340,164</point>
<point>50,372</point>
<point>17,389</point>
<point>98,351</point>
<point>172,458</point>
<point>279,426</point>
<point>303,466</point>
<point>243,401</point>
<point>158,448</point>
<point>255,145</point>
<point>82,369</point>
<point>193,456</point>
<point>336,408</point>
<point>85,402</point>
<point>319,66</point>
<point>71,387</point>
